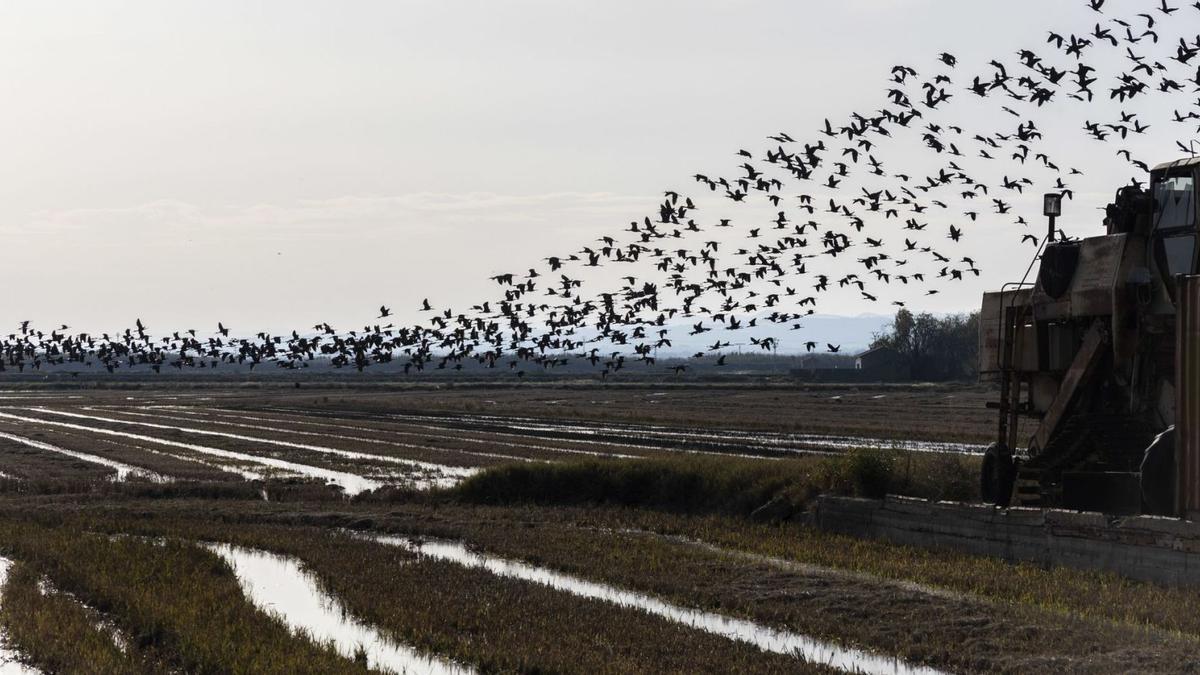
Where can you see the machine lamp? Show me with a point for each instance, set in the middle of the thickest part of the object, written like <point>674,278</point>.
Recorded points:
<point>1052,209</point>
<point>1052,204</point>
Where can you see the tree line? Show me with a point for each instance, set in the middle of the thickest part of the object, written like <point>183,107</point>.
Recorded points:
<point>937,349</point>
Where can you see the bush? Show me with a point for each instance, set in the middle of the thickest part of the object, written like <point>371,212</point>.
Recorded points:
<point>864,473</point>
<point>724,485</point>
<point>685,485</point>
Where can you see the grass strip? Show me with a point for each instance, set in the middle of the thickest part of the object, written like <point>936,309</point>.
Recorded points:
<point>411,597</point>
<point>876,616</point>
<point>498,624</point>
<point>1091,594</point>
<point>59,634</point>
<point>1087,593</point>
<point>470,615</point>
<point>177,602</point>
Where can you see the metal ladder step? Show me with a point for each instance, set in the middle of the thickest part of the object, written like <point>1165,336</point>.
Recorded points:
<point>1028,488</point>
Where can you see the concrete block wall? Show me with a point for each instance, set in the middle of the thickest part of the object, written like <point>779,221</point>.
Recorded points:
<point>1161,550</point>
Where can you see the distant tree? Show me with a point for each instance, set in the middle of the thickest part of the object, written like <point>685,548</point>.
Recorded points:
<point>902,331</point>
<point>937,349</point>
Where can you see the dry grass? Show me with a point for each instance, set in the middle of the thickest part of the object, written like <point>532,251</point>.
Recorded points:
<point>60,635</point>
<point>179,604</point>
<point>498,624</point>
<point>979,628</point>
<point>732,486</point>
<point>986,615</point>
<point>942,412</point>
<point>506,625</point>
<point>1094,595</point>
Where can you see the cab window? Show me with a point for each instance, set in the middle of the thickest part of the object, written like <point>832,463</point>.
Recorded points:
<point>1179,254</point>
<point>1175,202</point>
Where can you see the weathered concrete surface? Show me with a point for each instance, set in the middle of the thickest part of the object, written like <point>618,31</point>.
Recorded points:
<point>1154,549</point>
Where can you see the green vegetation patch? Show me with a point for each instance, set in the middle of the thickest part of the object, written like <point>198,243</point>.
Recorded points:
<point>772,489</point>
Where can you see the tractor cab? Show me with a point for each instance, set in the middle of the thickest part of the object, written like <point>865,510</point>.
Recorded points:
<point>1174,233</point>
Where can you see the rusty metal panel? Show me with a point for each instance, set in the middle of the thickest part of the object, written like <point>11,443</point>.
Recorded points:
<point>1092,287</point>
<point>1187,392</point>
<point>1099,263</point>
<point>991,332</point>
<point>1082,367</point>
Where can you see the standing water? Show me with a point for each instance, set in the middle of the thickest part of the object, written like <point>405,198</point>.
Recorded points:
<point>279,586</point>
<point>351,484</point>
<point>764,637</point>
<point>124,471</point>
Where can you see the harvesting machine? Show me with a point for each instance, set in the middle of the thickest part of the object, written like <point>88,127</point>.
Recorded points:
<point>1098,361</point>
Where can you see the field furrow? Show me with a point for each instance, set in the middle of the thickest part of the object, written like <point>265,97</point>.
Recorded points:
<point>348,444</point>
<point>350,482</point>
<point>513,445</point>
<point>19,459</point>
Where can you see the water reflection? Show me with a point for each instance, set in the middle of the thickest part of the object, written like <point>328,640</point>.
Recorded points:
<point>352,484</point>
<point>765,638</point>
<point>124,471</point>
<point>279,586</point>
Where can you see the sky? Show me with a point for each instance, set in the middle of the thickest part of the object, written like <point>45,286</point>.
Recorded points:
<point>276,164</point>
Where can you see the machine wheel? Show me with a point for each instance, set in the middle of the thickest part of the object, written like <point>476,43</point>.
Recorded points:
<point>998,475</point>
<point>1158,475</point>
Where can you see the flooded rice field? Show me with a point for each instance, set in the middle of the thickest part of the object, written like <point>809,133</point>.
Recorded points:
<point>555,530</point>
<point>122,471</point>
<point>364,442</point>
<point>657,436</point>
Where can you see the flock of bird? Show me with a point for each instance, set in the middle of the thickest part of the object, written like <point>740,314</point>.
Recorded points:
<point>840,213</point>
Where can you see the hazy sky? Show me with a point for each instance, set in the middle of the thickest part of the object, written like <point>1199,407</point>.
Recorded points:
<point>275,164</point>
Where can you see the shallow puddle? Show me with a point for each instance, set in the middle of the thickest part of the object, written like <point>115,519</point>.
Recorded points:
<point>10,663</point>
<point>764,637</point>
<point>279,586</point>
<point>124,471</point>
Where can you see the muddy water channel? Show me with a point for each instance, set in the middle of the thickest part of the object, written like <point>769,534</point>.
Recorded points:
<point>279,586</point>
<point>764,637</point>
<point>657,436</point>
<point>445,475</point>
<point>10,663</point>
<point>350,483</point>
<point>124,471</point>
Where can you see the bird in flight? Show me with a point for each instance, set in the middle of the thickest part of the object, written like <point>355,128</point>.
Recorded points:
<point>894,174</point>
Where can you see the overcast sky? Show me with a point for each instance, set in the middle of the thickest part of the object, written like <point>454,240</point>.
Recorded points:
<point>275,164</point>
